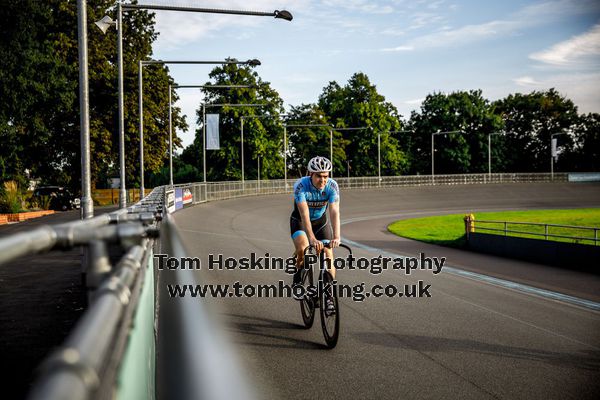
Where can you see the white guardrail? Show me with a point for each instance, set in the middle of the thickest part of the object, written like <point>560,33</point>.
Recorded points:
<point>194,193</point>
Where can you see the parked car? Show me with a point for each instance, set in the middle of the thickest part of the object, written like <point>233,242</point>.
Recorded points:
<point>60,198</point>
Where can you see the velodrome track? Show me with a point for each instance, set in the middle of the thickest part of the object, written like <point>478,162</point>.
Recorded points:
<point>470,340</point>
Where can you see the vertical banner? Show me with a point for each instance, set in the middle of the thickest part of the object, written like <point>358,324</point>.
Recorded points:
<point>178,199</point>
<point>212,132</point>
<point>554,153</point>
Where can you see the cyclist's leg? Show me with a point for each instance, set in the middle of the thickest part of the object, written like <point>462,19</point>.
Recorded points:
<point>300,240</point>
<point>324,232</point>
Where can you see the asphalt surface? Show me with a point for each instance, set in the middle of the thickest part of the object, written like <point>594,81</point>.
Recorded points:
<point>470,339</point>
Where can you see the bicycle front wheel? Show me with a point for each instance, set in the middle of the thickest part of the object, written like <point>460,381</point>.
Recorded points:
<point>330,316</point>
<point>307,304</point>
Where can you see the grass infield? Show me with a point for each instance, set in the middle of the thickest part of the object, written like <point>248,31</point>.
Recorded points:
<point>449,230</point>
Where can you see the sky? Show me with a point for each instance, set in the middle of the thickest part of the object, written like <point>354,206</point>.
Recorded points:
<point>408,48</point>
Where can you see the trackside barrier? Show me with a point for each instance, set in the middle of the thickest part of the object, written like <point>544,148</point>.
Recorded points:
<point>133,341</point>
<point>93,361</point>
<point>212,191</point>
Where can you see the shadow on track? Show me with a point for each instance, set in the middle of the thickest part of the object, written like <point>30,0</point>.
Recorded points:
<point>259,327</point>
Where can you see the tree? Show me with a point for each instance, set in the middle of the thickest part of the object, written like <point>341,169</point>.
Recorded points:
<point>263,135</point>
<point>585,155</point>
<point>465,152</point>
<point>530,120</point>
<point>358,104</point>
<point>306,142</point>
<point>39,116</point>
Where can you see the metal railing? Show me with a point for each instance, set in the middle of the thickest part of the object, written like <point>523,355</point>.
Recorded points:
<point>546,230</point>
<point>212,191</point>
<point>87,364</point>
<point>132,334</point>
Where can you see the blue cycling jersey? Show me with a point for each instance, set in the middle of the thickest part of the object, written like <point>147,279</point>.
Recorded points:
<point>317,200</point>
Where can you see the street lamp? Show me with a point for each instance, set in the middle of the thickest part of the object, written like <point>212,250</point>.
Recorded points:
<point>142,64</point>
<point>553,153</point>
<point>303,126</point>
<point>106,22</point>
<point>87,205</point>
<point>433,148</point>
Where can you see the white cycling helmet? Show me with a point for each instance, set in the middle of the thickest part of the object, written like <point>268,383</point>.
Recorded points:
<point>319,164</point>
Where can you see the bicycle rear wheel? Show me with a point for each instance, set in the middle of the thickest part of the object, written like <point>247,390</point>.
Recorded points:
<point>330,320</point>
<point>307,304</point>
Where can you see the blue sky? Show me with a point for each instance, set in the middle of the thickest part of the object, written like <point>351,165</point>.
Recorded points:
<point>407,48</point>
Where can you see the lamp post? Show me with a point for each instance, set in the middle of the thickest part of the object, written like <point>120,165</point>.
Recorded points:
<point>433,149</point>
<point>204,105</point>
<point>553,153</point>
<point>490,151</point>
<point>348,166</point>
<point>142,64</point>
<point>285,144</point>
<point>87,205</point>
<point>106,22</point>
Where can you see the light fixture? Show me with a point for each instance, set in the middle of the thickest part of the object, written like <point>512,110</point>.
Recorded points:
<point>105,23</point>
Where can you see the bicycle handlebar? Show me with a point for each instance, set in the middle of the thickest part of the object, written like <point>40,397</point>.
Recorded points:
<point>326,243</point>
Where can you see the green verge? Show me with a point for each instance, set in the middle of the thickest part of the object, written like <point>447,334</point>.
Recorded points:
<point>449,230</point>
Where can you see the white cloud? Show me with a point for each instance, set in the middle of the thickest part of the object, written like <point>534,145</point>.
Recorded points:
<point>399,48</point>
<point>526,81</point>
<point>415,101</point>
<point>577,50</point>
<point>527,17</point>
<point>582,88</point>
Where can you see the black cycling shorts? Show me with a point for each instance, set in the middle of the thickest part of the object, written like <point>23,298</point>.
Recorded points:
<point>320,227</point>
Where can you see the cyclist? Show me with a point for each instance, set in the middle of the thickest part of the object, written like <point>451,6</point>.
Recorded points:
<point>313,195</point>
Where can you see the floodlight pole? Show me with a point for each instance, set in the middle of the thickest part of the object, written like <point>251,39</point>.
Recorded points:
<point>87,205</point>
<point>122,189</point>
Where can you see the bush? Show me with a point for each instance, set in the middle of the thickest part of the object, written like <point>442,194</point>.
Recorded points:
<point>10,198</point>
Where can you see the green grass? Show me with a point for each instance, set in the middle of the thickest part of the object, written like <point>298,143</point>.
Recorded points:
<point>449,230</point>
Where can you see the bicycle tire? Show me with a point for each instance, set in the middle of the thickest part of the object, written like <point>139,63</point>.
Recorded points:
<point>329,323</point>
<point>307,304</point>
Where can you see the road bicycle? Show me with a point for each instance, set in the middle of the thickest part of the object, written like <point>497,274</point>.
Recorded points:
<point>317,297</point>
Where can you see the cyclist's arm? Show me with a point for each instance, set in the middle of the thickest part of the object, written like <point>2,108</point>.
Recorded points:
<point>334,217</point>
